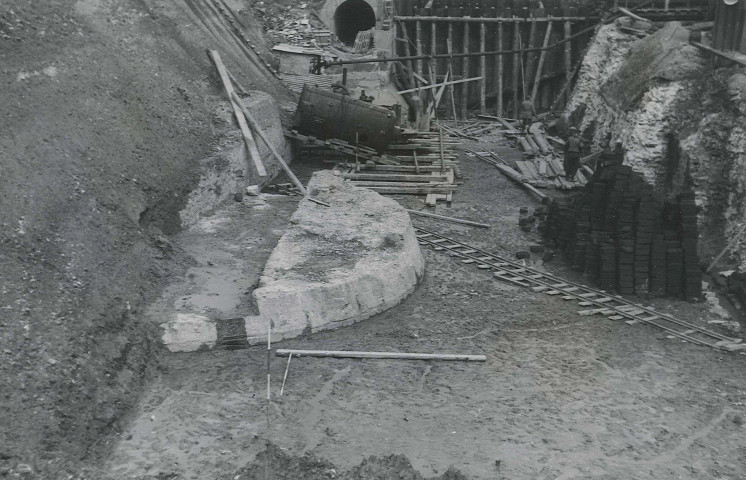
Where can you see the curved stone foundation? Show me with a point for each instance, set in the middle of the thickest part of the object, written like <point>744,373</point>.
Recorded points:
<point>336,265</point>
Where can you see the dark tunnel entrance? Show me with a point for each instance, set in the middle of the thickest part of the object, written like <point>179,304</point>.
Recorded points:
<point>351,17</point>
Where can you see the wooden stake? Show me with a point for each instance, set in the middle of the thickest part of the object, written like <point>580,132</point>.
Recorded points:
<point>540,66</point>
<point>261,134</point>
<point>465,72</point>
<point>285,377</point>
<point>499,73</point>
<point>442,152</point>
<point>482,71</point>
<point>248,138</point>
<point>280,352</point>
<point>568,57</point>
<point>449,219</point>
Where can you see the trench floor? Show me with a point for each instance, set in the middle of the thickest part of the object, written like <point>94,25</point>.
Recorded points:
<point>561,395</point>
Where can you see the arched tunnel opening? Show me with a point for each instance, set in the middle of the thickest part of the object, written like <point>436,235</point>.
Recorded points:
<point>351,17</point>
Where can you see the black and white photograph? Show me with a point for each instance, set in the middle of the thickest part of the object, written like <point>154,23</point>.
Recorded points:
<point>372,239</point>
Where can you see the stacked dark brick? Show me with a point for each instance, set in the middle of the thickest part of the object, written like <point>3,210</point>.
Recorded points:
<point>618,231</point>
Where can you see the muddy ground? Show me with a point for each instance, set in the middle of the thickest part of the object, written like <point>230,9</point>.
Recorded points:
<point>560,396</point>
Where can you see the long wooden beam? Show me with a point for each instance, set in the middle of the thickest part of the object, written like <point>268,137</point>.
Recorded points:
<point>260,132</point>
<point>406,18</point>
<point>454,82</point>
<point>248,138</point>
<point>281,352</point>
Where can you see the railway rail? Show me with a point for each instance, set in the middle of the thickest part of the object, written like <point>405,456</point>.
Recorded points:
<point>597,301</point>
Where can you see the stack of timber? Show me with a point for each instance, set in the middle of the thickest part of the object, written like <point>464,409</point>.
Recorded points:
<point>296,82</point>
<point>425,165</point>
<point>620,232</point>
<point>347,150</point>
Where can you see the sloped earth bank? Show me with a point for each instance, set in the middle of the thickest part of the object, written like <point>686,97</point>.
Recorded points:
<point>679,116</point>
<point>112,113</point>
<point>561,395</point>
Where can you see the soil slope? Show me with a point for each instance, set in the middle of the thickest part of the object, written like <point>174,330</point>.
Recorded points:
<point>109,109</point>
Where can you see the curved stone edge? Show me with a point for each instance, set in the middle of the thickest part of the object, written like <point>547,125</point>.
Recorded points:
<point>369,289</point>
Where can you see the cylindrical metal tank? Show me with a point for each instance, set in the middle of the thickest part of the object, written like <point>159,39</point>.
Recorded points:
<point>325,114</point>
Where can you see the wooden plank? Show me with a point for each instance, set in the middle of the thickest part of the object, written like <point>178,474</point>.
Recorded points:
<point>631,15</point>
<point>393,177</point>
<point>410,190</point>
<point>384,183</point>
<point>248,138</point>
<point>449,219</point>
<point>521,164</point>
<point>281,352</point>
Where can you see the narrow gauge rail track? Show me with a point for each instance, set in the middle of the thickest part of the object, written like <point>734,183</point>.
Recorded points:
<point>599,301</point>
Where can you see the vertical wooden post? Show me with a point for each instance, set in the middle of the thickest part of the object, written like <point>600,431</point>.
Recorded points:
<point>418,45</point>
<point>540,66</point>
<point>433,50</point>
<point>465,72</point>
<point>531,56</point>
<point>482,70</point>
<point>499,66</point>
<point>451,89</point>
<point>516,65</point>
<point>408,53</point>
<point>568,57</point>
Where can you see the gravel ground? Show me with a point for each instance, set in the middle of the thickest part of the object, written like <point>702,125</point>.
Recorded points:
<point>560,396</point>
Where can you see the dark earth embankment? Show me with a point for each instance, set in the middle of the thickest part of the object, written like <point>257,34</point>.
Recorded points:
<point>109,110</point>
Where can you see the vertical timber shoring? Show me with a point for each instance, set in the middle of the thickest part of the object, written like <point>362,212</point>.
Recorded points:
<point>482,70</point>
<point>433,51</point>
<point>451,88</point>
<point>499,66</point>
<point>418,45</point>
<point>408,53</point>
<point>528,67</point>
<point>516,64</point>
<point>540,66</point>
<point>465,72</point>
<point>568,57</point>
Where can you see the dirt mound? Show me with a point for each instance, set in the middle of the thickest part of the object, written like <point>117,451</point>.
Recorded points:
<point>284,466</point>
<point>109,108</point>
